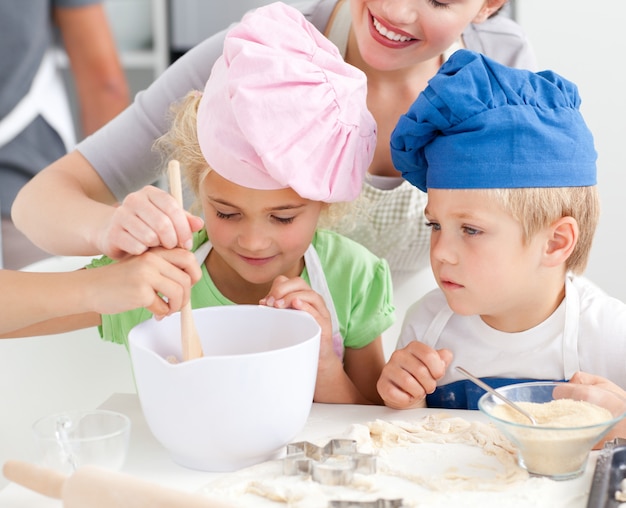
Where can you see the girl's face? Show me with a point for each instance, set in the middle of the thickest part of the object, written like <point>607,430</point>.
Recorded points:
<point>256,234</point>
<point>395,34</point>
<point>480,261</point>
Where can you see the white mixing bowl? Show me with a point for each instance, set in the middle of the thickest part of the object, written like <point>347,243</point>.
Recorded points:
<point>244,400</point>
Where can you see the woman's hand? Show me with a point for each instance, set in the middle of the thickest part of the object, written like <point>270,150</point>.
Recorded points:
<point>147,218</point>
<point>411,373</point>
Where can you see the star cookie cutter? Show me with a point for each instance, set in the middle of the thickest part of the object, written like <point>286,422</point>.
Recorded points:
<point>332,464</point>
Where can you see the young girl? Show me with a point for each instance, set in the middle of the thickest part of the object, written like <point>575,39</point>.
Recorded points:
<point>280,132</point>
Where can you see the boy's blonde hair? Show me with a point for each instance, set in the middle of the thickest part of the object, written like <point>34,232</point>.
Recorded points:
<point>536,208</point>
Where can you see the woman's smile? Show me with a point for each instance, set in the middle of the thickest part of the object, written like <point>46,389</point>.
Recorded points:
<point>393,35</point>
<point>388,36</point>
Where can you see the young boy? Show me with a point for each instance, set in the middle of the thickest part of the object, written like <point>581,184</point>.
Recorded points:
<point>510,170</point>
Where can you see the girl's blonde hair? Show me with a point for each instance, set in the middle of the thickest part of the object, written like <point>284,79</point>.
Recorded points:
<point>536,208</point>
<point>181,143</point>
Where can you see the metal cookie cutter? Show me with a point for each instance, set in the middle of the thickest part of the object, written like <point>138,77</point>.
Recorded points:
<point>332,464</point>
<point>378,503</point>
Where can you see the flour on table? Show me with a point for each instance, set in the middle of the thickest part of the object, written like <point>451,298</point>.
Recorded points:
<point>435,462</point>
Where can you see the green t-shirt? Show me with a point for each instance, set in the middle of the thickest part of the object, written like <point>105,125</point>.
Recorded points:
<point>358,281</point>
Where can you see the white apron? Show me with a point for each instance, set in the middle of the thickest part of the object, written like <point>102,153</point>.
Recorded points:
<point>47,98</point>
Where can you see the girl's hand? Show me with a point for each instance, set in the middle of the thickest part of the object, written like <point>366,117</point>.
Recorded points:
<point>147,218</point>
<point>159,280</point>
<point>411,374</point>
<point>333,384</point>
<point>295,293</point>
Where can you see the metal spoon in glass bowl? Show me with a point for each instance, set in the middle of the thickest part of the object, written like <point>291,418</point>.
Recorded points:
<point>493,392</point>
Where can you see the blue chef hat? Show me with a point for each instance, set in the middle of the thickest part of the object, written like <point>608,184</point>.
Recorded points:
<point>479,124</point>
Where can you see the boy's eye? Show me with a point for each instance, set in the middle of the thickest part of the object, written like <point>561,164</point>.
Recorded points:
<point>470,231</point>
<point>435,226</point>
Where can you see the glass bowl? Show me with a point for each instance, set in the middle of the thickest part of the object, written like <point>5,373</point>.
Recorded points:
<point>65,441</point>
<point>571,419</point>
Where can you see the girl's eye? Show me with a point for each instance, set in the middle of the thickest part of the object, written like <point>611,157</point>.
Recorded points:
<point>435,226</point>
<point>439,5</point>
<point>221,215</point>
<point>283,220</point>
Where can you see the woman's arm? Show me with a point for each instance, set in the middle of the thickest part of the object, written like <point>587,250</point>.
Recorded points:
<point>68,210</point>
<point>69,207</point>
<point>43,303</point>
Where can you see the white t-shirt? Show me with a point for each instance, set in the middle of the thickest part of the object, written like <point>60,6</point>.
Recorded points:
<point>587,332</point>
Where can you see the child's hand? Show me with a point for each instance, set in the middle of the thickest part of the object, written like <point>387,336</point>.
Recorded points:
<point>295,293</point>
<point>159,280</point>
<point>584,378</point>
<point>147,218</point>
<point>411,374</point>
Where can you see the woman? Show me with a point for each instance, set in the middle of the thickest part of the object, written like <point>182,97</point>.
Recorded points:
<point>399,44</point>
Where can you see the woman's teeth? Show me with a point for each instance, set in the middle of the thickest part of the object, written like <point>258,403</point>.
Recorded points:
<point>392,36</point>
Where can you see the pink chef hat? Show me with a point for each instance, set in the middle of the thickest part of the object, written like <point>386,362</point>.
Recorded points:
<point>282,109</point>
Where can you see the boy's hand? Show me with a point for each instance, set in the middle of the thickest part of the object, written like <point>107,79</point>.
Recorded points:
<point>147,218</point>
<point>584,378</point>
<point>411,374</point>
<point>159,280</point>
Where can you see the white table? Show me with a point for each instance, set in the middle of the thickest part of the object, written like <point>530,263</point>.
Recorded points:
<point>43,375</point>
<point>149,461</point>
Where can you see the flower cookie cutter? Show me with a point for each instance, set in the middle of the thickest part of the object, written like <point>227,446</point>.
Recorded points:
<point>332,464</point>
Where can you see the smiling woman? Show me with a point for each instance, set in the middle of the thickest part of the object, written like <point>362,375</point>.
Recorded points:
<point>109,166</point>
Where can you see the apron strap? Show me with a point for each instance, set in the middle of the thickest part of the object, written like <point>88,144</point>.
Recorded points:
<point>571,360</point>
<point>436,326</point>
<point>320,285</point>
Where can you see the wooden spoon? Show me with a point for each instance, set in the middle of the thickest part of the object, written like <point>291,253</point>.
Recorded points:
<point>192,347</point>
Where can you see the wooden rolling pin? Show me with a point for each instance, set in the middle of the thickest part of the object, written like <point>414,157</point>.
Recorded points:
<point>94,487</point>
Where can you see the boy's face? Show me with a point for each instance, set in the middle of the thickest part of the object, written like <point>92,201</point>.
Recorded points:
<point>256,234</point>
<point>479,259</point>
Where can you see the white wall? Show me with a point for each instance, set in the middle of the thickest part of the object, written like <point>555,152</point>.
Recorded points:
<point>585,43</point>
